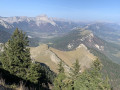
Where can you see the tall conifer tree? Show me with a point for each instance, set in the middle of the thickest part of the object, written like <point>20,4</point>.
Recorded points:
<point>16,56</point>
<point>59,80</point>
<point>76,69</point>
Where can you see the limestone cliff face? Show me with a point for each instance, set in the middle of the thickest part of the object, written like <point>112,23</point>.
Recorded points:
<point>1,47</point>
<point>52,57</point>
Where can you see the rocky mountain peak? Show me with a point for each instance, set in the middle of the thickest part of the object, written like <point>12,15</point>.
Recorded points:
<point>41,19</point>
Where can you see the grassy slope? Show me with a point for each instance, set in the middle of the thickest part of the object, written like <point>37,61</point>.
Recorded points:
<point>42,54</point>
<point>85,58</point>
<point>50,56</point>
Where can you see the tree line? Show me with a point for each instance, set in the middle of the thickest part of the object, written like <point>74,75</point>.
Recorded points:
<point>90,79</point>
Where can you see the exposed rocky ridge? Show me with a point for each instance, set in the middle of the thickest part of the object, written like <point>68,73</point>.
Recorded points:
<point>76,37</point>
<point>1,47</point>
<point>52,57</point>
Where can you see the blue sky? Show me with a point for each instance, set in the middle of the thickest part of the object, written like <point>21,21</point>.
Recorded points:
<point>83,10</point>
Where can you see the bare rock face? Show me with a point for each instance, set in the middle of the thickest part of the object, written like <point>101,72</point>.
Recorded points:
<point>1,47</point>
<point>43,19</point>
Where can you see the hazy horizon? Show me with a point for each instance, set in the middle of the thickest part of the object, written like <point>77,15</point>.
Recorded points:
<point>77,10</point>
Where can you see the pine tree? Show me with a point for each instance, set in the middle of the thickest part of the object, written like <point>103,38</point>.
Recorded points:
<point>32,74</point>
<point>76,69</point>
<point>75,73</point>
<point>91,79</point>
<point>59,80</point>
<point>16,56</point>
<point>61,68</point>
<point>107,84</point>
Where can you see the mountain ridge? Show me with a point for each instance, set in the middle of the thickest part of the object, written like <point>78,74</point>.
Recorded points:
<point>37,23</point>
<point>53,56</point>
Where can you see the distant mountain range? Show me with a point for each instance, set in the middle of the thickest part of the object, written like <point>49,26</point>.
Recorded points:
<point>40,23</point>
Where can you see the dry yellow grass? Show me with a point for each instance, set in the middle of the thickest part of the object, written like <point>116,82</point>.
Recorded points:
<point>51,56</point>
<point>83,55</point>
<point>42,54</point>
